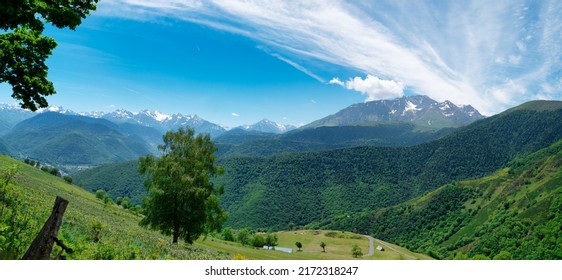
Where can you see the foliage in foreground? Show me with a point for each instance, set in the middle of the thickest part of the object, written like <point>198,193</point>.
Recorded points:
<point>91,228</point>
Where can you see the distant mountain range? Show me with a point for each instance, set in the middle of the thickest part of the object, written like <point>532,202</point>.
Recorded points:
<point>420,110</point>
<point>345,187</point>
<point>74,140</point>
<point>11,115</point>
<point>268,126</point>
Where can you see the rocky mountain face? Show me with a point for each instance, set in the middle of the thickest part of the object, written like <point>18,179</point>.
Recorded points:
<point>268,126</point>
<point>420,110</point>
<point>164,122</point>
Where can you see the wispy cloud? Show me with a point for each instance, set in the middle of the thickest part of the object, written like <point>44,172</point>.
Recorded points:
<point>492,54</point>
<point>235,115</point>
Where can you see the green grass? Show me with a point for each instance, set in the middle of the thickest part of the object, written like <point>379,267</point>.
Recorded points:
<point>121,236</point>
<point>338,247</point>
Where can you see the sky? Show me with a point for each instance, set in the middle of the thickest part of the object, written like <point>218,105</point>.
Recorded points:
<point>236,62</point>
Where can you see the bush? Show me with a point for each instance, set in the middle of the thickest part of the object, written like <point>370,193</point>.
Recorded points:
<point>68,179</point>
<point>258,240</point>
<point>503,255</point>
<point>299,245</point>
<point>356,251</point>
<point>227,234</point>
<point>100,194</point>
<point>96,228</point>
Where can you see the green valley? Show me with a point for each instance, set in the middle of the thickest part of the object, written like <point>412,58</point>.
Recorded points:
<point>515,212</point>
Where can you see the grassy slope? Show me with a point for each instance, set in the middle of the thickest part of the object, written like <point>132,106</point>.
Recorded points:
<point>121,238</point>
<point>517,209</point>
<point>338,247</point>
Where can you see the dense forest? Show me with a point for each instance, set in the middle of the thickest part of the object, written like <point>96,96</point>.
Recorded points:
<point>515,212</point>
<point>255,144</point>
<point>308,187</point>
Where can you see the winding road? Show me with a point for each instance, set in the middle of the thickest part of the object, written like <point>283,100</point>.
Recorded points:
<point>387,245</point>
<point>371,246</point>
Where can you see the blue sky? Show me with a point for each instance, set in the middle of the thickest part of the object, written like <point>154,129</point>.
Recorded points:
<point>235,62</point>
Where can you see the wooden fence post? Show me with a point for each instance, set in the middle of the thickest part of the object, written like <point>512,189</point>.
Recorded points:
<point>42,246</point>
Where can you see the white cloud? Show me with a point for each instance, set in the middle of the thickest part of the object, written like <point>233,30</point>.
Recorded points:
<point>235,115</point>
<point>373,87</point>
<point>464,56</point>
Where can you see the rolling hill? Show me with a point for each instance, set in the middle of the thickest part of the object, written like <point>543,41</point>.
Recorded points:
<point>28,199</point>
<point>305,188</point>
<point>517,210</point>
<point>70,141</point>
<point>309,188</point>
<point>255,144</point>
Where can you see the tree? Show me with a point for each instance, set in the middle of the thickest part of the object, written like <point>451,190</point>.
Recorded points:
<point>258,240</point>
<point>323,245</point>
<point>68,179</point>
<point>299,245</point>
<point>23,48</point>
<point>100,194</point>
<point>243,236</point>
<point>271,239</point>
<point>356,251</point>
<point>181,201</point>
<point>503,255</point>
<point>227,234</point>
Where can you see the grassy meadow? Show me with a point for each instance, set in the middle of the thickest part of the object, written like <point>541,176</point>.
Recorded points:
<point>120,236</point>
<point>338,247</point>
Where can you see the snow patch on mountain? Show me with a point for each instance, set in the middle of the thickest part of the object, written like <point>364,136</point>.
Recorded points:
<point>268,126</point>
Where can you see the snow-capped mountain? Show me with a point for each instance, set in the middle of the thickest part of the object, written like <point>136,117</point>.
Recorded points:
<point>164,122</point>
<point>420,110</point>
<point>10,115</point>
<point>268,126</point>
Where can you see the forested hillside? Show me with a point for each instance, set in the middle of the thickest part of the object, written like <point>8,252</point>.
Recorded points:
<point>238,144</point>
<point>517,211</point>
<point>116,179</point>
<point>306,188</point>
<point>69,141</point>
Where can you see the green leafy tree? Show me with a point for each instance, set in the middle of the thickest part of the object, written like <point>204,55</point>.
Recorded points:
<point>503,255</point>
<point>356,251</point>
<point>243,236</point>
<point>323,245</point>
<point>24,49</point>
<point>182,201</point>
<point>100,194</point>
<point>299,245</point>
<point>258,240</point>
<point>68,179</point>
<point>227,234</point>
<point>481,257</point>
<point>271,239</point>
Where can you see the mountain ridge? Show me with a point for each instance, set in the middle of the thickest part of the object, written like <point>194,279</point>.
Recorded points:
<point>418,109</point>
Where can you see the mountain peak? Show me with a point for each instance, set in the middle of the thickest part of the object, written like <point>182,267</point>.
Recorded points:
<point>268,126</point>
<point>418,109</point>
